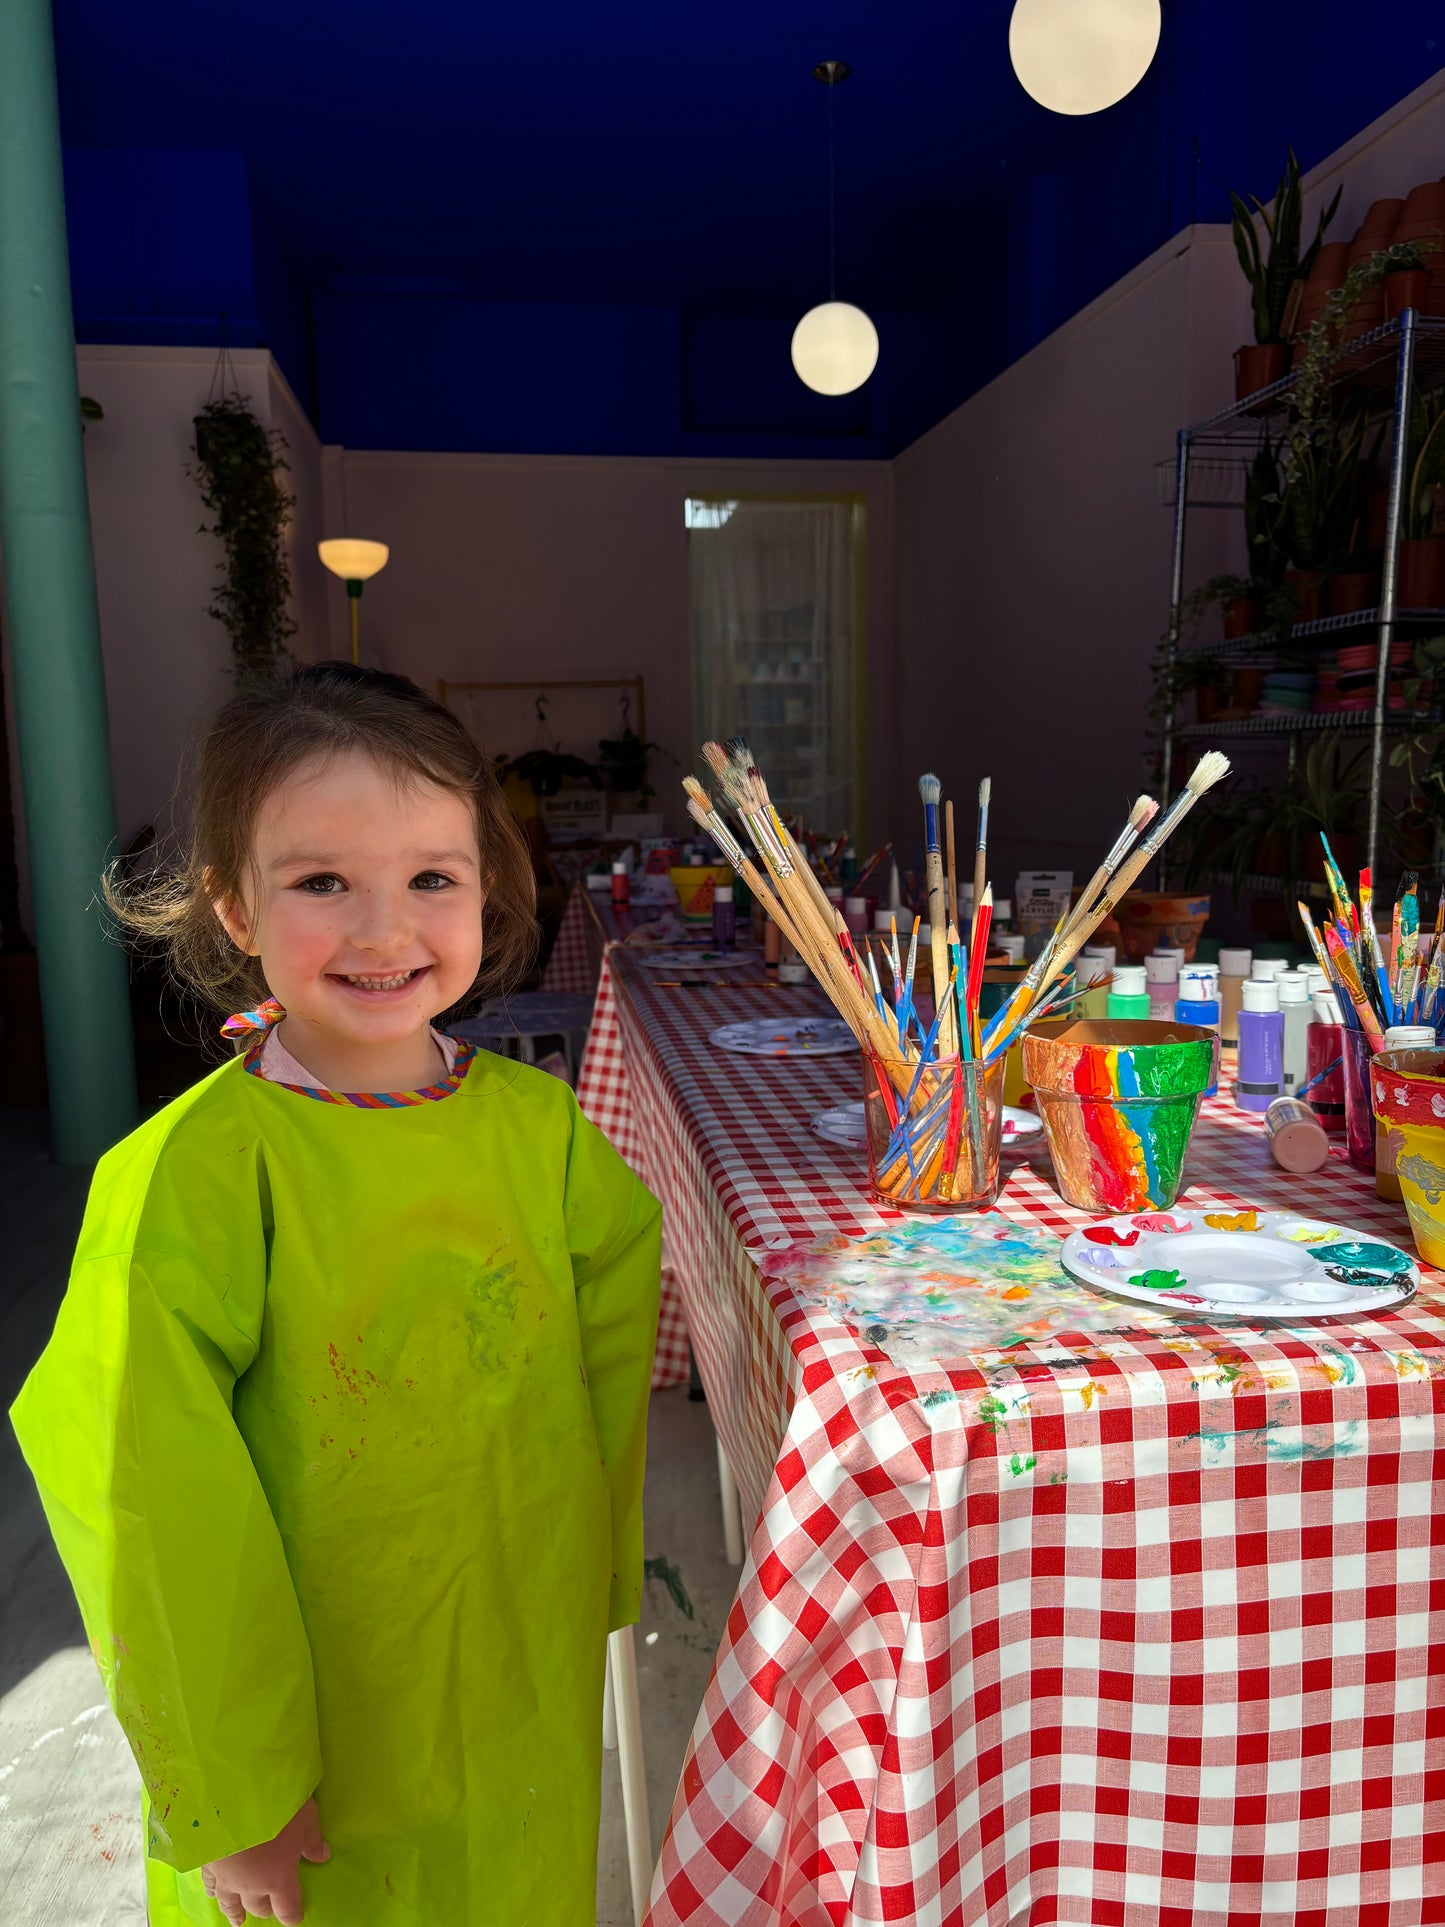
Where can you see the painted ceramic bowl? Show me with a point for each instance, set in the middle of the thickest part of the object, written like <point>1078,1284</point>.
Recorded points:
<point>1407,1092</point>
<point>1118,1101</point>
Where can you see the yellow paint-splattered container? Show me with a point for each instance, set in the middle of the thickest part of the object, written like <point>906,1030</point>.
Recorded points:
<point>1407,1094</point>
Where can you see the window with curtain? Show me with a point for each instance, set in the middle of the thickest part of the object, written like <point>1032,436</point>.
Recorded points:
<point>777,644</point>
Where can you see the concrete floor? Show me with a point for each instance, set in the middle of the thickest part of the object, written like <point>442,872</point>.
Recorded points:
<point>69,1828</point>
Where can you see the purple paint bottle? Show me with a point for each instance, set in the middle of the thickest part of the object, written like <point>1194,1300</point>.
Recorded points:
<point>1259,1079</point>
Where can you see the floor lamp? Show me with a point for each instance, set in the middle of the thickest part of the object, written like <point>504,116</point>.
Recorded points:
<point>355,562</point>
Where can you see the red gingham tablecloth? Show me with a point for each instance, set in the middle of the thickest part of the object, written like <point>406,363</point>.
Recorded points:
<point>576,960</point>
<point>1146,1630</point>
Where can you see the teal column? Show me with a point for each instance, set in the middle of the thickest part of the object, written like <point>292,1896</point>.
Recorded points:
<point>54,623</point>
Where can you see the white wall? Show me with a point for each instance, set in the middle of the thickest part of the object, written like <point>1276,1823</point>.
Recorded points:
<point>167,663</point>
<point>504,567</point>
<point>1032,556</point>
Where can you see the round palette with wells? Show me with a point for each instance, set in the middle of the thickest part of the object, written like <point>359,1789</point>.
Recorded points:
<point>787,1037</point>
<point>680,959</point>
<point>1241,1264</point>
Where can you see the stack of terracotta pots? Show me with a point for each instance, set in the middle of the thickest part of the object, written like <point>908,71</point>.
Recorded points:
<point>1328,273</point>
<point>1375,232</point>
<point>1422,220</point>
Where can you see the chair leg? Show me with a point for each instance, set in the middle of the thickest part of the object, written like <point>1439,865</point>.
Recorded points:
<point>732,1509</point>
<point>622,1664</point>
<point>609,1710</point>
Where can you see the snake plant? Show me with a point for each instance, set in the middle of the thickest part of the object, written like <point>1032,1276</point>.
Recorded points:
<point>1272,273</point>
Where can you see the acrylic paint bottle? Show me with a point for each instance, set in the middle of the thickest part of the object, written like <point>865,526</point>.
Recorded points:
<point>1296,1141</point>
<point>1198,1003</point>
<point>1268,969</point>
<point>724,917</point>
<point>1327,1099</point>
<point>1129,996</point>
<point>1259,1075</point>
<point>1161,976</point>
<point>1091,975</point>
<point>1234,967</point>
<point>1104,950</point>
<point>621,886</point>
<point>1294,1007</point>
<point>1387,1142</point>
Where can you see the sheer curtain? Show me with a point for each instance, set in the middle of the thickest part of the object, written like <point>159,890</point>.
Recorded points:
<point>775,644</point>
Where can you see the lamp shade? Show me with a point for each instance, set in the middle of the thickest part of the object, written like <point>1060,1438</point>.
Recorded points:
<point>1080,56</point>
<point>835,348</point>
<point>353,561</point>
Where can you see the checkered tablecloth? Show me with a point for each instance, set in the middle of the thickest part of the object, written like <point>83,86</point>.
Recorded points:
<point>1141,1630</point>
<point>576,960</point>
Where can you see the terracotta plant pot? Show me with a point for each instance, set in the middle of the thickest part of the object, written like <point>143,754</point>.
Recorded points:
<point>1257,365</point>
<point>1118,1101</point>
<point>1247,690</point>
<point>1310,588</point>
<point>1422,573</point>
<point>1208,701</point>
<point>1149,918</point>
<point>1241,617</point>
<point>1407,288</point>
<point>1377,230</point>
<point>1328,273</point>
<point>1348,594</point>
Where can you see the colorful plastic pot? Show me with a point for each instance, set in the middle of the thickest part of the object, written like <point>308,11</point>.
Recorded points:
<point>1408,1091</point>
<point>694,884</point>
<point>1118,1101</point>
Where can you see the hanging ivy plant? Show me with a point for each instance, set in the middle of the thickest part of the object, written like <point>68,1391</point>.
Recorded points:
<point>239,467</point>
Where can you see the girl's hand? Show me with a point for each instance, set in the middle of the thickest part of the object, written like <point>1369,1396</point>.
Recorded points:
<point>265,1881</point>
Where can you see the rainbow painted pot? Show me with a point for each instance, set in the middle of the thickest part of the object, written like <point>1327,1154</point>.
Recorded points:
<point>1407,1093</point>
<point>1118,1101</point>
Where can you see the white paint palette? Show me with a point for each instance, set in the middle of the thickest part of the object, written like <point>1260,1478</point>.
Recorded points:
<point>681,960</point>
<point>787,1037</point>
<point>1241,1264</point>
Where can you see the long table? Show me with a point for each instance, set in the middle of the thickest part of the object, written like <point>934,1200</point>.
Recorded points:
<point>1128,1629</point>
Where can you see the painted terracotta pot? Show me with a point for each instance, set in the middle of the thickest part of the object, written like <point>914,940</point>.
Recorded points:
<point>1118,1101</point>
<point>694,884</point>
<point>1152,919</point>
<point>1407,1090</point>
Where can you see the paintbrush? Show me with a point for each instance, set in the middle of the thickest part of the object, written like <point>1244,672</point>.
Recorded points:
<point>1408,952</point>
<point>931,790</point>
<point>878,856</point>
<point>1208,771</point>
<point>950,875</point>
<point>1349,978</point>
<point>980,857</point>
<point>978,955</point>
<point>1140,817</point>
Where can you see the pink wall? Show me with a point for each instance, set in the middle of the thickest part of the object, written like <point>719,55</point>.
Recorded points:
<point>1032,556</point>
<point>508,566</point>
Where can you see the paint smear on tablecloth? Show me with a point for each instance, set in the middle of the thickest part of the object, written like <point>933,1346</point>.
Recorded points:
<point>927,1291</point>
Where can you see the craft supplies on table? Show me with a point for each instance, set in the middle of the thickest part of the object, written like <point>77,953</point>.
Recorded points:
<point>1241,1264</point>
<point>887,1734</point>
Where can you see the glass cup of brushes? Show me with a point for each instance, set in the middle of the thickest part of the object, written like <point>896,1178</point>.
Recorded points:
<point>936,1149</point>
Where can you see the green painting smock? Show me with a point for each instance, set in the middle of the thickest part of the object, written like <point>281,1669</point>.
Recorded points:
<point>341,1435</point>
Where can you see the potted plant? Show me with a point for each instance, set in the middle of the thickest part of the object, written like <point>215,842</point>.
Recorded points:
<point>1333,792</point>
<point>1272,273</point>
<point>239,466</point>
<point>1407,282</point>
<point>1323,501</point>
<point>1422,549</point>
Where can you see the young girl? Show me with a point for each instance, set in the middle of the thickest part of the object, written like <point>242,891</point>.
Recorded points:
<point>340,1433</point>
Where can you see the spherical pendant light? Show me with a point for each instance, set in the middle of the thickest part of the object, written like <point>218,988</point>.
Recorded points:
<point>1081,56</point>
<point>835,348</point>
<point>835,345</point>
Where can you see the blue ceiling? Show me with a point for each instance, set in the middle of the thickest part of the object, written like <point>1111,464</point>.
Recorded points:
<point>548,229</point>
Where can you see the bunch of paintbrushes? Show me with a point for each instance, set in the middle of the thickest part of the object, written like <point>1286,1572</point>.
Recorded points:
<point>1376,990</point>
<point>938,1078</point>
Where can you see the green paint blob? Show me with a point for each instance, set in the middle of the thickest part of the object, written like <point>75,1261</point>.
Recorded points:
<point>1160,1280</point>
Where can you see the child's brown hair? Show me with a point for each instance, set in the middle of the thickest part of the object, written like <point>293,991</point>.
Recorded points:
<point>255,742</point>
